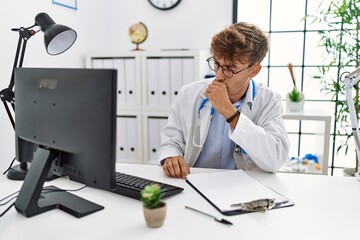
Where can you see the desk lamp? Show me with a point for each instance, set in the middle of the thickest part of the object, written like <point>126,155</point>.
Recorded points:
<point>57,39</point>
<point>350,82</point>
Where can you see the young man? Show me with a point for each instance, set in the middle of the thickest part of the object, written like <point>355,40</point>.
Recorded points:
<point>229,122</point>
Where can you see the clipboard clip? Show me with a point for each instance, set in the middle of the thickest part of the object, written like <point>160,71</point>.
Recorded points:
<point>259,205</point>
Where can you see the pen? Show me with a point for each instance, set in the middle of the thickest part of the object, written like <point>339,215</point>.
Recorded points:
<point>224,221</point>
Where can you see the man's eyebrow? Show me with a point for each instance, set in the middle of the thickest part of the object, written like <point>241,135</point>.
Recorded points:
<point>228,66</point>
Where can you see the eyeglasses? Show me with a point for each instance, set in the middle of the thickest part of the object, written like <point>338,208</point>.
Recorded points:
<point>227,71</point>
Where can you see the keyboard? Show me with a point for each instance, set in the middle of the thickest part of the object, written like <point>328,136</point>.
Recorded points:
<point>131,186</point>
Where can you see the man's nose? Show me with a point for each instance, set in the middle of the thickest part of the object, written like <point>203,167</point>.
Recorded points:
<point>220,75</point>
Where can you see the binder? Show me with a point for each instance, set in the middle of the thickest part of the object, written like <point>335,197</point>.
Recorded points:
<point>154,139</point>
<point>121,146</point>
<point>119,65</point>
<point>176,77</point>
<point>164,81</point>
<point>188,70</point>
<point>152,81</point>
<point>156,124</point>
<point>131,137</point>
<point>97,63</point>
<point>225,188</point>
<point>130,79</point>
<point>108,63</point>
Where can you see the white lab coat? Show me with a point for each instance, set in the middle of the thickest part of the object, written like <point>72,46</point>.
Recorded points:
<point>260,135</point>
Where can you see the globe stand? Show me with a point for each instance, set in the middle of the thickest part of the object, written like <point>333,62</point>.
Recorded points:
<point>137,48</point>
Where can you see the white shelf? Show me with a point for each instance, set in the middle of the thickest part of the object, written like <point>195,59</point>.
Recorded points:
<point>322,134</point>
<point>187,66</point>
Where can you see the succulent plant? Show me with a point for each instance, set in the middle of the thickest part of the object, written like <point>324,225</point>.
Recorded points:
<point>151,195</point>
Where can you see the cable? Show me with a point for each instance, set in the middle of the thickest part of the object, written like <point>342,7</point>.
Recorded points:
<point>62,190</point>
<point>8,196</point>
<point>3,204</point>
<point>12,162</point>
<point>3,213</point>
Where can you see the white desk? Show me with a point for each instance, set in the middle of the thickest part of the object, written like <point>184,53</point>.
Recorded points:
<point>325,208</point>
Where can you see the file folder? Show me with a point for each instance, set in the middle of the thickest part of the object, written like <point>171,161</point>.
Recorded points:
<point>121,141</point>
<point>164,81</point>
<point>108,63</point>
<point>97,63</point>
<point>119,65</point>
<point>131,139</point>
<point>226,188</point>
<point>130,79</point>
<point>153,81</point>
<point>176,77</point>
<point>189,70</point>
<point>154,139</point>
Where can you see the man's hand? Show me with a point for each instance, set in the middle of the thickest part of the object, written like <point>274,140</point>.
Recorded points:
<point>176,167</point>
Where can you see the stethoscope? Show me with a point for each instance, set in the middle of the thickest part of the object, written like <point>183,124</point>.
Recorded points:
<point>197,142</point>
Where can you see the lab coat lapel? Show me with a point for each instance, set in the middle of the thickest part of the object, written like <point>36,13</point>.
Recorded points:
<point>205,119</point>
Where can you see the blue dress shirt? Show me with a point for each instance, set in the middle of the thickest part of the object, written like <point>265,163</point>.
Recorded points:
<point>218,149</point>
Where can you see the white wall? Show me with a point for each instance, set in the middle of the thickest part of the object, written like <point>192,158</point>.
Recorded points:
<point>102,27</point>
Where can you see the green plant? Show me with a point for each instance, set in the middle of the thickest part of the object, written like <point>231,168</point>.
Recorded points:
<point>341,44</point>
<point>151,196</point>
<point>295,95</point>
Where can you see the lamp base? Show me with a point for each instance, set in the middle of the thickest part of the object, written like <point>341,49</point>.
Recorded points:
<point>349,172</point>
<point>18,173</point>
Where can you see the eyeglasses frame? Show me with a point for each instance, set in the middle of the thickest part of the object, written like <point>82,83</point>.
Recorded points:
<point>223,67</point>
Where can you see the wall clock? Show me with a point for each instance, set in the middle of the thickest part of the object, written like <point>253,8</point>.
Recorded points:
<point>164,4</point>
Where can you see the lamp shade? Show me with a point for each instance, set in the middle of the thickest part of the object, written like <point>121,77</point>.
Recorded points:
<point>57,38</point>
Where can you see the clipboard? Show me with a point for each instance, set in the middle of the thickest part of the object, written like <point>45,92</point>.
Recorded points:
<point>226,188</point>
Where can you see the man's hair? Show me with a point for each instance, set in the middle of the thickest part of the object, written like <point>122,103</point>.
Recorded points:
<point>241,42</point>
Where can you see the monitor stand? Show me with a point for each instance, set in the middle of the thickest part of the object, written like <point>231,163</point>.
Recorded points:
<point>33,199</point>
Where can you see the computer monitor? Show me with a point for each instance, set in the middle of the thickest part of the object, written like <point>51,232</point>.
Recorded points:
<point>69,117</point>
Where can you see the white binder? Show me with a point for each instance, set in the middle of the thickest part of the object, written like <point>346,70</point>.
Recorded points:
<point>130,78</point>
<point>188,70</point>
<point>154,139</point>
<point>97,63</point>
<point>152,81</point>
<point>121,89</point>
<point>131,137</point>
<point>164,81</point>
<point>121,140</point>
<point>176,77</point>
<point>155,127</point>
<point>108,63</point>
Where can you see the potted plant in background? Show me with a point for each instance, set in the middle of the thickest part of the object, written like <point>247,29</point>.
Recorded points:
<point>154,209</point>
<point>295,99</point>
<point>341,43</point>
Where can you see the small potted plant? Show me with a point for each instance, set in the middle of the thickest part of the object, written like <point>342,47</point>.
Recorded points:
<point>154,209</point>
<point>295,99</point>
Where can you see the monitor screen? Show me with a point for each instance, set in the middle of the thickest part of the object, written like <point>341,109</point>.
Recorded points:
<point>66,121</point>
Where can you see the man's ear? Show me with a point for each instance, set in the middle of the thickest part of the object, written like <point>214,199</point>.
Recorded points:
<point>255,70</point>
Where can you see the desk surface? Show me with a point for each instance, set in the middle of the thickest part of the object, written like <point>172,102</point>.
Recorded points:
<point>325,208</point>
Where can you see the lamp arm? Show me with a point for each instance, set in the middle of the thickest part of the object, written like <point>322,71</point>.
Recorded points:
<point>350,81</point>
<point>24,35</point>
<point>7,95</point>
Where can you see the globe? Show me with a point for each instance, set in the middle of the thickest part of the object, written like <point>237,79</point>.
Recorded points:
<point>138,33</point>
